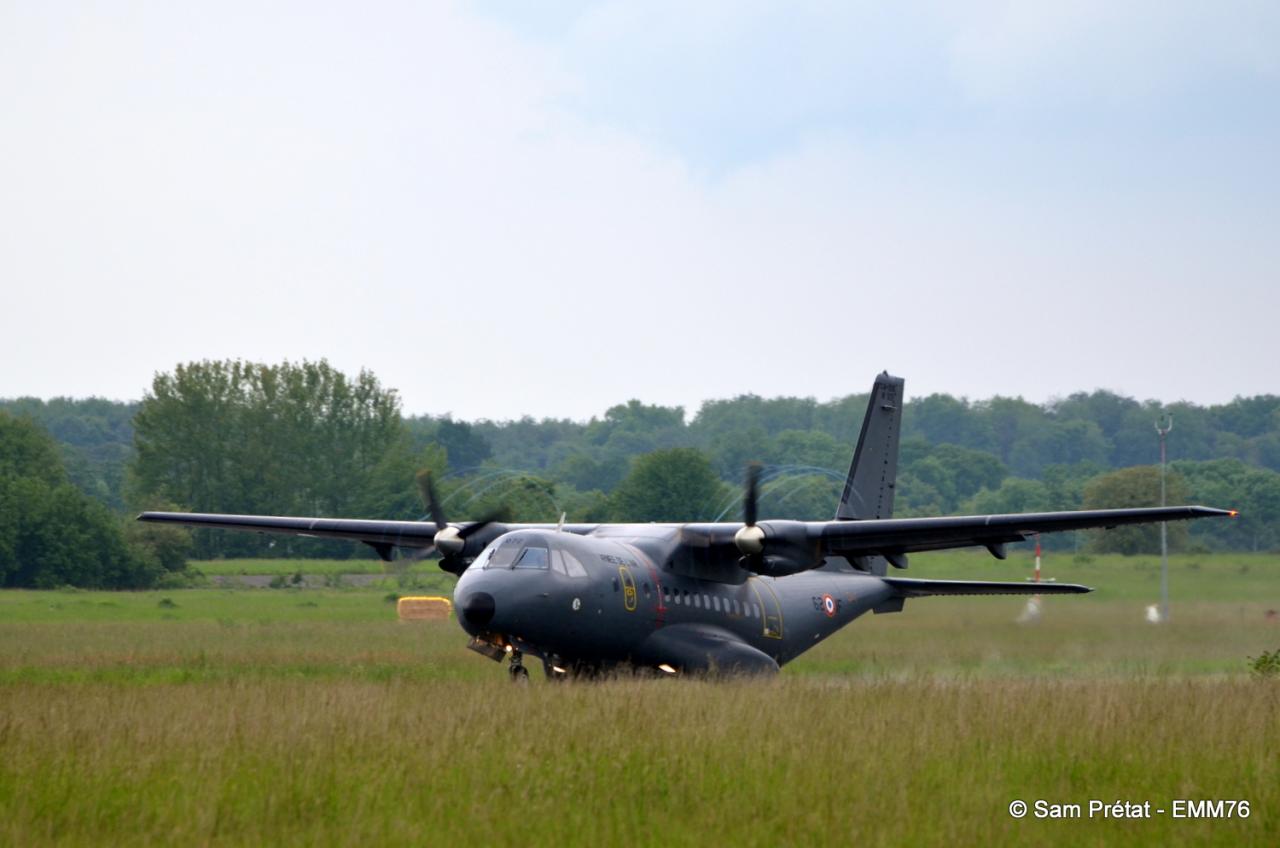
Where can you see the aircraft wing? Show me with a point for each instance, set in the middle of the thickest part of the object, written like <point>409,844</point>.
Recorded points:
<point>788,546</point>
<point>778,548</point>
<point>404,534</point>
<point>906,535</point>
<point>382,536</point>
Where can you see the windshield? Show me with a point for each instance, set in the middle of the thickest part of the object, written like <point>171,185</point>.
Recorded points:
<point>505,553</point>
<point>533,557</point>
<point>533,554</point>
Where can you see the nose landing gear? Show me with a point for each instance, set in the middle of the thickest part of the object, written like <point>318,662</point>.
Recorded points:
<point>517,671</point>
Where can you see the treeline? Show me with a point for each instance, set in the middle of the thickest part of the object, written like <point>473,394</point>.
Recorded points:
<point>1099,428</point>
<point>53,534</point>
<point>94,438</point>
<point>306,439</point>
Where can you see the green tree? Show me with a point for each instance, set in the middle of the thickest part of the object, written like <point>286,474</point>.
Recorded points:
<point>523,497</point>
<point>27,451</point>
<point>582,471</point>
<point>160,548</point>
<point>1136,487</point>
<point>51,533</point>
<point>676,484</point>
<point>242,437</point>
<point>809,447</point>
<point>926,487</point>
<point>95,438</point>
<point>466,446</point>
<point>1230,483</point>
<point>801,496</point>
<point>943,419</point>
<point>1014,494</point>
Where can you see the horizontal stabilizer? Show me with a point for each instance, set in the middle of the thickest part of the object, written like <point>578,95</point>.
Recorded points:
<point>910,587</point>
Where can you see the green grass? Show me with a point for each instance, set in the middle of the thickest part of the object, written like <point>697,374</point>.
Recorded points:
<point>1200,577</point>
<point>797,761</point>
<point>288,567</point>
<point>292,717</point>
<point>1216,577</point>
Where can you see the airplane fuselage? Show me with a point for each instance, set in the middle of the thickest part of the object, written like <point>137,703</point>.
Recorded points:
<point>601,602</point>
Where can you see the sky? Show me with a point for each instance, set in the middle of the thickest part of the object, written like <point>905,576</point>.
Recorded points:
<point>510,209</point>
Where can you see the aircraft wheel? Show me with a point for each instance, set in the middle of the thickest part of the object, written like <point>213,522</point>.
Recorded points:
<point>519,674</point>
<point>550,666</point>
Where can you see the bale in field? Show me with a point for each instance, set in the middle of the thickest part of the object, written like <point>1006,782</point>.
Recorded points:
<point>423,608</point>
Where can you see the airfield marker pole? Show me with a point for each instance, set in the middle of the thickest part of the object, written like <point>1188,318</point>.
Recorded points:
<point>1031,612</point>
<point>1167,421</point>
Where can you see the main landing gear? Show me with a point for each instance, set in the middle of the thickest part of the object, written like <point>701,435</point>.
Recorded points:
<point>519,674</point>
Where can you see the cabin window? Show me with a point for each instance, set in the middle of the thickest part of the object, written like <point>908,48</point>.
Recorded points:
<point>706,601</point>
<point>567,564</point>
<point>534,557</point>
<point>715,602</point>
<point>573,565</point>
<point>696,602</point>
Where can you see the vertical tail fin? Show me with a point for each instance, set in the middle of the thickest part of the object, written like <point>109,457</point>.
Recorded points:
<point>869,488</point>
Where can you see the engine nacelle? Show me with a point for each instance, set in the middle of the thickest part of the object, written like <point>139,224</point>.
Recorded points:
<point>778,548</point>
<point>772,566</point>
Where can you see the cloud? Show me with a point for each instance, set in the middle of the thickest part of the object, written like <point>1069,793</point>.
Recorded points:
<point>1117,54</point>
<point>502,222</point>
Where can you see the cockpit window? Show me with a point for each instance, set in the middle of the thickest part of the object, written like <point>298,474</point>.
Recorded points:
<point>533,557</point>
<point>505,554</point>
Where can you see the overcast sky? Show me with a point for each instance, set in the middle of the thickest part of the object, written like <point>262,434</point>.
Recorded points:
<point>503,211</point>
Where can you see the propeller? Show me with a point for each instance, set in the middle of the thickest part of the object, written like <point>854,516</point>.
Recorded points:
<point>790,550</point>
<point>750,537</point>
<point>451,541</point>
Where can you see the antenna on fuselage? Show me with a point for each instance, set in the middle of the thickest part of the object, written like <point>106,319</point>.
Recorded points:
<point>560,525</point>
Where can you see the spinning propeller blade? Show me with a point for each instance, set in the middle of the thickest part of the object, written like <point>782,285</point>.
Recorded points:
<point>451,541</point>
<point>750,538</point>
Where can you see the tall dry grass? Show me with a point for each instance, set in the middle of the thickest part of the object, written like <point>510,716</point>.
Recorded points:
<point>259,718</point>
<point>795,761</point>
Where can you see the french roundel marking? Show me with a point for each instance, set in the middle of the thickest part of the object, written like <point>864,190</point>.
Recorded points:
<point>829,606</point>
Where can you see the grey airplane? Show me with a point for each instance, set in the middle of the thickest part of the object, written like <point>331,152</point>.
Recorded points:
<point>741,597</point>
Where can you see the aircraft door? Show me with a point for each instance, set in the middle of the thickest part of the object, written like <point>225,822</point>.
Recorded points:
<point>770,608</point>
<point>629,598</point>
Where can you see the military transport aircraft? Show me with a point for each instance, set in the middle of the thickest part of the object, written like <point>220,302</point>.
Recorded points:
<point>679,598</point>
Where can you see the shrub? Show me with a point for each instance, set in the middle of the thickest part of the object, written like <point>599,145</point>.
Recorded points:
<point>1266,664</point>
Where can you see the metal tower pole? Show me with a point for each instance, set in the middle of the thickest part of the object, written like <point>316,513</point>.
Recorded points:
<point>1163,426</point>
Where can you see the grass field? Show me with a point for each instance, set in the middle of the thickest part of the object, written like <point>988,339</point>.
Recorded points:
<point>263,716</point>
<point>1222,576</point>
<point>288,567</point>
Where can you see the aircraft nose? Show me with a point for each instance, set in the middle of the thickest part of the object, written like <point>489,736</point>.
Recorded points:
<point>478,609</point>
